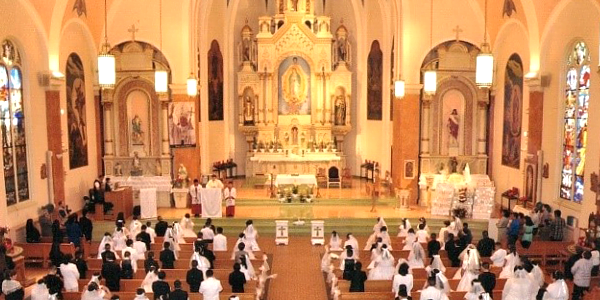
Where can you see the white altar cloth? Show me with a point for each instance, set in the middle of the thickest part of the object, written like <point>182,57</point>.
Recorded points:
<point>161,183</point>
<point>148,203</point>
<point>211,203</point>
<point>308,157</point>
<point>296,180</point>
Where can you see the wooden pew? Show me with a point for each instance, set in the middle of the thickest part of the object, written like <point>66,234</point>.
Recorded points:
<point>221,274</point>
<point>131,285</point>
<point>34,252</point>
<point>96,263</point>
<point>386,285</point>
<point>415,295</point>
<point>131,295</point>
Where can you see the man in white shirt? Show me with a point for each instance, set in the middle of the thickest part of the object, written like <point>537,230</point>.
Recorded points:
<point>132,252</point>
<point>70,274</point>
<point>582,272</point>
<point>499,256</point>
<point>207,233</point>
<point>431,292</point>
<point>194,192</point>
<point>214,183</point>
<point>210,287</point>
<point>150,231</point>
<point>220,241</point>
<point>229,194</point>
<point>140,248</point>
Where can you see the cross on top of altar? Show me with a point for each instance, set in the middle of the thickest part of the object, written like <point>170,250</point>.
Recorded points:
<point>457,30</point>
<point>282,230</point>
<point>133,30</point>
<point>317,231</point>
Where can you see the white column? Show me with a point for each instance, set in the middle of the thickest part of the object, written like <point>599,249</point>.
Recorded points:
<point>327,99</point>
<point>269,98</point>
<point>261,100</point>
<point>108,129</point>
<point>425,127</point>
<point>165,127</point>
<point>481,111</point>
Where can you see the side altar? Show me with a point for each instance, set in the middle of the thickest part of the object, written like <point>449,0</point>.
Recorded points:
<point>294,91</point>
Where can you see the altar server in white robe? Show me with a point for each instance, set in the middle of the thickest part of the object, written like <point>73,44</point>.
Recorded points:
<point>251,235</point>
<point>195,192</point>
<point>416,256</point>
<point>383,268</point>
<point>210,287</point>
<point>518,287</point>
<point>352,242</point>
<point>187,226</point>
<point>410,239</point>
<point>498,258</point>
<point>70,274</point>
<point>219,241</point>
<point>229,194</point>
<point>558,289</point>
<point>403,228</point>
<point>134,228</point>
<point>335,242</point>
<point>107,239</point>
<point>214,183</point>
<point>431,292</point>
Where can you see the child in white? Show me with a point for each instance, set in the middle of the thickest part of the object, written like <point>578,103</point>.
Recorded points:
<point>187,226</point>
<point>220,241</point>
<point>251,236</point>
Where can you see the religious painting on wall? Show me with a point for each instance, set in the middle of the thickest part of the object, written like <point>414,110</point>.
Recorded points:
<point>409,169</point>
<point>375,83</point>
<point>182,124</point>
<point>76,116</point>
<point>215,82</point>
<point>513,111</point>
<point>294,86</point>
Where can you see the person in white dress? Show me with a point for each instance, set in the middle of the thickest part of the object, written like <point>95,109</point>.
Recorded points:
<point>247,268</point>
<point>424,222</point>
<point>558,289</point>
<point>187,226</point>
<point>95,291</point>
<point>150,278</point>
<point>512,260</point>
<point>537,275</point>
<point>498,258</point>
<point>70,274</point>
<point>210,287</point>
<point>173,240</point>
<point>107,239</point>
<point>518,287</point>
<point>385,238</point>
<point>410,239</point>
<point>416,256</point>
<point>442,283</point>
<point>251,236</point>
<point>443,234</point>
<point>475,291</point>
<point>203,262</point>
<point>404,227</point>
<point>241,240</point>
<point>383,268</point>
<point>219,241</point>
<point>132,252</point>
<point>135,227</point>
<point>119,239</point>
<point>470,268</point>
<point>150,231</point>
<point>422,234</point>
<point>335,242</point>
<point>326,260</point>
<point>40,291</point>
<point>352,242</point>
<point>403,277</point>
<point>436,264</point>
<point>140,294</point>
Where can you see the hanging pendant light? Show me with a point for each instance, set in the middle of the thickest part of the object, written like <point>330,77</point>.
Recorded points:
<point>161,77</point>
<point>192,85</point>
<point>430,75</point>
<point>399,89</point>
<point>484,72</point>
<point>106,61</point>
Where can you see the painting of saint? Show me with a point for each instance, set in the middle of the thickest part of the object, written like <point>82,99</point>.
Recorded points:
<point>375,83</point>
<point>182,119</point>
<point>513,111</point>
<point>453,127</point>
<point>76,114</point>
<point>294,87</point>
<point>215,82</point>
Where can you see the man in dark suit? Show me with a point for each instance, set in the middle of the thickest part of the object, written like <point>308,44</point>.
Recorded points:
<point>210,256</point>
<point>161,227</point>
<point>358,278</point>
<point>237,279</point>
<point>486,245</point>
<point>107,252</point>
<point>86,225</point>
<point>111,271</point>
<point>487,278</point>
<point>161,287</point>
<point>145,237</point>
<point>178,293</point>
<point>194,277</point>
<point>433,246</point>
<point>167,257</point>
<point>452,250</point>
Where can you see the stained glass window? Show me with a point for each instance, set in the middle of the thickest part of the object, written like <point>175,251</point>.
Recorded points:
<point>12,125</point>
<point>577,98</point>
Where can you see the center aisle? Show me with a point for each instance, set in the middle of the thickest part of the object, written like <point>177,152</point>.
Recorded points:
<point>298,271</point>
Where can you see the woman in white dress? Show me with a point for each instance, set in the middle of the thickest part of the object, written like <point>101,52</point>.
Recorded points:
<point>512,260</point>
<point>422,234</point>
<point>187,226</point>
<point>403,228</point>
<point>326,260</point>
<point>442,283</point>
<point>436,264</point>
<point>150,278</point>
<point>376,233</point>
<point>383,268</point>
<point>409,240</point>
<point>242,239</point>
<point>470,268</point>
<point>335,243</point>
<point>403,277</point>
<point>251,236</point>
<point>353,242</point>
<point>475,291</point>
<point>416,256</point>
<point>247,268</point>
<point>537,275</point>
<point>203,263</point>
<point>171,237</point>
<point>558,289</point>
<point>518,287</point>
<point>70,274</point>
<point>119,239</point>
<point>385,237</point>
<point>134,228</point>
<point>107,239</point>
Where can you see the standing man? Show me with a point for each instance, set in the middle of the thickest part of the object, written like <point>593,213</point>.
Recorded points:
<point>486,245</point>
<point>229,194</point>
<point>557,226</point>
<point>195,197</point>
<point>582,271</point>
<point>512,231</point>
<point>214,183</point>
<point>160,228</point>
<point>211,287</point>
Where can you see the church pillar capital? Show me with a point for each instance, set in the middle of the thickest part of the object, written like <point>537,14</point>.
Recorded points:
<point>107,96</point>
<point>412,88</point>
<point>535,84</point>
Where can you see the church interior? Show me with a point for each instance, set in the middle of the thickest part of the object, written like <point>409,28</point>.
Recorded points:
<point>319,115</point>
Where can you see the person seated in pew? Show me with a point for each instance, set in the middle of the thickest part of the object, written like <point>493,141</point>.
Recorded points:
<point>70,274</point>
<point>443,234</point>
<point>596,257</point>
<point>161,227</point>
<point>433,246</point>
<point>251,235</point>
<point>150,262</point>
<point>423,221</point>
<point>202,262</point>
<point>358,278</point>
<point>140,248</point>
<point>54,282</point>
<point>410,239</point>
<point>499,256</point>
<point>144,236</point>
<point>32,234</point>
<point>436,264</point>
<point>167,256</point>
<point>376,249</point>
<point>81,264</point>
<point>108,252</point>
<point>11,288</point>
<point>150,231</point>
<point>402,293</point>
<point>403,278</point>
<point>485,246</point>
<point>468,234</point>
<point>172,238</point>
<point>111,271</point>
<point>512,260</point>
<point>247,268</point>
<point>241,252</point>
<point>469,270</point>
<point>150,278</point>
<point>335,242</point>
<point>161,288</point>
<point>96,292</point>
<point>194,277</point>
<point>353,242</point>
<point>208,254</point>
<point>40,291</point>
<point>475,291</point>
<point>416,257</point>
<point>220,241</point>
<point>187,226</point>
<point>140,294</point>
<point>241,240</point>
<point>558,289</point>
<point>106,239</point>
<point>487,278</point>
<point>120,238</point>
<point>132,252</point>
<point>211,287</point>
<point>518,287</point>
<point>177,293</point>
<point>237,279</point>
<point>431,292</point>
<point>383,266</point>
<point>127,266</point>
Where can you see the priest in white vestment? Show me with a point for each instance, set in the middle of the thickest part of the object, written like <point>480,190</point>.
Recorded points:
<point>214,183</point>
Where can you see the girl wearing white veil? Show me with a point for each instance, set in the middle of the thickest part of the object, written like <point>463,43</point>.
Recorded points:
<point>537,276</point>
<point>335,242</point>
<point>119,239</point>
<point>441,282</point>
<point>416,256</point>
<point>385,237</point>
<point>242,239</point>
<point>150,278</point>
<point>470,268</point>
<point>403,228</point>
<point>251,236</point>
<point>383,266</point>
<point>171,237</point>
<point>178,232</point>
<point>409,240</point>
<point>187,226</point>
<point>512,260</point>
<point>326,260</point>
<point>247,268</point>
<point>475,291</point>
<point>107,239</point>
<point>518,287</point>
<point>380,223</point>
<point>203,263</point>
<point>558,289</point>
<point>134,228</point>
<point>436,264</point>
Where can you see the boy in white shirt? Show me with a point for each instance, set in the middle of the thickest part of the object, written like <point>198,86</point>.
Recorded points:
<point>220,241</point>
<point>140,248</point>
<point>133,253</point>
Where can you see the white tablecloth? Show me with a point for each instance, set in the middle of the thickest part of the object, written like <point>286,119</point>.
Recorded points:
<point>308,157</point>
<point>160,183</point>
<point>148,203</point>
<point>296,180</point>
<point>211,203</point>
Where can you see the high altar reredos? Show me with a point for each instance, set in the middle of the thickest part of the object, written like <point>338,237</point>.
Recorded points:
<point>294,91</point>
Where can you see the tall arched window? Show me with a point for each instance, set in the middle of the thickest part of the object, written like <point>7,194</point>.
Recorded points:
<point>577,98</point>
<point>12,125</point>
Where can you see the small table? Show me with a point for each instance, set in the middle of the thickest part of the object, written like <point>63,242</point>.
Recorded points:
<point>509,199</point>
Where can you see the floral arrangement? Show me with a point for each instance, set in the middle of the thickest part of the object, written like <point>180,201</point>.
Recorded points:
<point>181,183</point>
<point>6,242</point>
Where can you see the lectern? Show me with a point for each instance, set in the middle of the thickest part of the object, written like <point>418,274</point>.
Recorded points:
<point>122,199</point>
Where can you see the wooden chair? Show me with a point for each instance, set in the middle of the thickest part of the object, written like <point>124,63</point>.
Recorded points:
<point>333,177</point>
<point>346,177</point>
<point>321,177</point>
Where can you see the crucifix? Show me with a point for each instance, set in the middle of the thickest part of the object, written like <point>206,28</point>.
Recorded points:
<point>281,231</point>
<point>457,30</point>
<point>317,230</point>
<point>133,30</point>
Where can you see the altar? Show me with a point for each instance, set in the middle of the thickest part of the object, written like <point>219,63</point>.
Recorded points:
<point>281,163</point>
<point>162,184</point>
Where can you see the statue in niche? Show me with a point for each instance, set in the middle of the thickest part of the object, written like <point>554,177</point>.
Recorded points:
<point>118,170</point>
<point>342,45</point>
<point>136,170</point>
<point>453,127</point>
<point>294,135</point>
<point>281,6</point>
<point>453,165</point>
<point>246,49</point>
<point>295,5</point>
<point>248,110</point>
<point>340,107</point>
<point>137,134</point>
